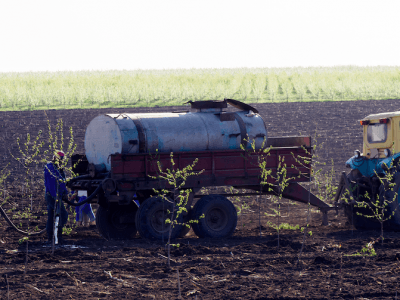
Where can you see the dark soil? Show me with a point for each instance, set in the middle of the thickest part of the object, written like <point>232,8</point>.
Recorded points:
<point>334,126</point>
<point>245,266</point>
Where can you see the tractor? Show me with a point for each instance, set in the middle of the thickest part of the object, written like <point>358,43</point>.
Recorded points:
<point>369,193</point>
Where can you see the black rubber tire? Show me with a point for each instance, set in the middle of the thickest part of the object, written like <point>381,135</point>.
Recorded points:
<point>108,222</point>
<point>360,222</point>
<point>151,219</point>
<point>393,224</point>
<point>366,223</point>
<point>220,217</point>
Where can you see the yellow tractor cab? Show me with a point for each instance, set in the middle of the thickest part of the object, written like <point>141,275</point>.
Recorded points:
<point>381,144</point>
<point>380,133</point>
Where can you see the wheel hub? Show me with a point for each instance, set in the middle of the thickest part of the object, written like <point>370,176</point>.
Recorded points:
<point>216,219</point>
<point>158,221</point>
<point>117,219</point>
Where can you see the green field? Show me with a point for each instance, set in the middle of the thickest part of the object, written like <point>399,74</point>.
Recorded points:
<point>92,89</point>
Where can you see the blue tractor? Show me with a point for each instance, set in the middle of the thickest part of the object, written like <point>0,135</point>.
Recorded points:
<point>369,193</point>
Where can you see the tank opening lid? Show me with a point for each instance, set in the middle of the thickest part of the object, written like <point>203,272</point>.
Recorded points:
<point>221,104</point>
<point>241,105</point>
<point>208,104</point>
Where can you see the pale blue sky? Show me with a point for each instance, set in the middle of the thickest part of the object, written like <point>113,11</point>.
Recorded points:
<point>50,35</point>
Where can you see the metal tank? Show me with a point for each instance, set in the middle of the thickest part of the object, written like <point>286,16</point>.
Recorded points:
<point>207,128</point>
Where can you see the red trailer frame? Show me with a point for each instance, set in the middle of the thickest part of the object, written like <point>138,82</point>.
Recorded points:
<point>236,168</point>
<point>220,167</point>
<point>138,173</point>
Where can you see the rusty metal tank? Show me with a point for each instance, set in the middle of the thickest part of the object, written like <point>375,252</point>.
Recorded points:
<point>206,127</point>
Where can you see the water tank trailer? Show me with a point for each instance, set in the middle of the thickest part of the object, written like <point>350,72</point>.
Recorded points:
<point>120,164</point>
<point>207,128</point>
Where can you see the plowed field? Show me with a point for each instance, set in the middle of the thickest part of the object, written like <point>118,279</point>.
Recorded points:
<point>249,265</point>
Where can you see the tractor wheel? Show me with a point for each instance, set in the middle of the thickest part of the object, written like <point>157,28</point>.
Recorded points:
<point>362,222</point>
<point>117,222</point>
<point>362,218</point>
<point>151,218</point>
<point>352,212</point>
<point>359,221</point>
<point>394,223</point>
<point>220,217</point>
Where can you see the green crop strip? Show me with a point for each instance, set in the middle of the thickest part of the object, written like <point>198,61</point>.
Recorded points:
<point>93,89</point>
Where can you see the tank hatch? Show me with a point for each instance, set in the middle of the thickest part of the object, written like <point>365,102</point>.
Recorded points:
<point>218,105</point>
<point>208,104</point>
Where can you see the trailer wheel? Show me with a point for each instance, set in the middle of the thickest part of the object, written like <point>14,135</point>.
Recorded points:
<point>116,222</point>
<point>151,218</point>
<point>220,217</point>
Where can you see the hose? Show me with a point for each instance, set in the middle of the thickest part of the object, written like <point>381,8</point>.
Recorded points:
<point>3,213</point>
<point>88,199</point>
<point>357,161</point>
<point>78,178</point>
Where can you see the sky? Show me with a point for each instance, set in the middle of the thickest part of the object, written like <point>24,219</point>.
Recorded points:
<point>52,35</point>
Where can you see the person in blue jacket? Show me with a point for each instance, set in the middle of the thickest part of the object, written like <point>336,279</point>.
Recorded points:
<point>83,211</point>
<point>54,181</point>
